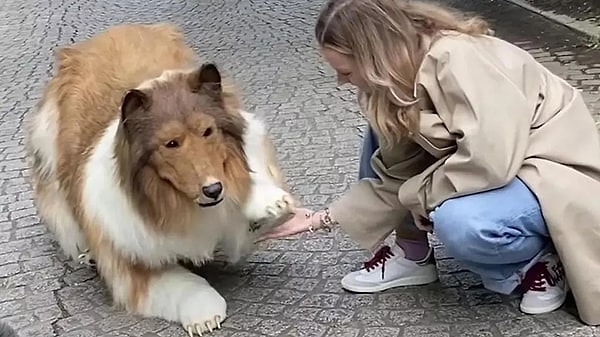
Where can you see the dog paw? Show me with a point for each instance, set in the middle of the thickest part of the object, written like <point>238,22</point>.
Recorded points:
<point>201,328</point>
<point>203,312</point>
<point>86,258</point>
<point>268,204</point>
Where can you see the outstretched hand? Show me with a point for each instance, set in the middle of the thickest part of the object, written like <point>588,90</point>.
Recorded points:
<point>300,222</point>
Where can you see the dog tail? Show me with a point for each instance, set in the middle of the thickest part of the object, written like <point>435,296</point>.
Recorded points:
<point>7,331</point>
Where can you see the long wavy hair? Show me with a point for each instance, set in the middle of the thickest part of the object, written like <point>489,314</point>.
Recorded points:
<point>388,40</point>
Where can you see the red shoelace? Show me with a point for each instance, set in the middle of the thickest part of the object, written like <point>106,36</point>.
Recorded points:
<point>536,275</point>
<point>382,255</point>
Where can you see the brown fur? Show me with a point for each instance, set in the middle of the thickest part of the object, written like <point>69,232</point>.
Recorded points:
<point>80,90</point>
<point>90,90</point>
<point>209,141</point>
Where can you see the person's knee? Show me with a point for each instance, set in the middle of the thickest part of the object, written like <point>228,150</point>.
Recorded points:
<point>462,231</point>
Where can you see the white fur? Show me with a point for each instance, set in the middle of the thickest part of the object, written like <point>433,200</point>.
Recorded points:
<point>62,222</point>
<point>43,131</point>
<point>43,135</point>
<point>175,294</point>
<point>109,206</point>
<point>179,295</point>
<point>265,196</point>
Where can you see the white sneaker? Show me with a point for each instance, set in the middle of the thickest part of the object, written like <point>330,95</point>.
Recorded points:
<point>545,286</point>
<point>389,269</point>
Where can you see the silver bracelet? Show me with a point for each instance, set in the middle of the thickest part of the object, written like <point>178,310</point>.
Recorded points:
<point>325,221</point>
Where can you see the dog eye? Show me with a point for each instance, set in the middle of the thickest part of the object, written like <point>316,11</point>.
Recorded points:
<point>172,144</point>
<point>207,132</point>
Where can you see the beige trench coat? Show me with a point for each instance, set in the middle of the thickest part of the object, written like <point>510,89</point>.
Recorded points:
<point>490,112</point>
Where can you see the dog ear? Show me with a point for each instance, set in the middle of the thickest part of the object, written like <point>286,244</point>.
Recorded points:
<point>133,101</point>
<point>206,79</point>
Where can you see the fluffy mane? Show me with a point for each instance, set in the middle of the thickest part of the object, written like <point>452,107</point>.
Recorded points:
<point>157,199</point>
<point>143,156</point>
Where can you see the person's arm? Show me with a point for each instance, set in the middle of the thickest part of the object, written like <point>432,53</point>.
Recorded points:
<point>370,209</point>
<point>489,114</point>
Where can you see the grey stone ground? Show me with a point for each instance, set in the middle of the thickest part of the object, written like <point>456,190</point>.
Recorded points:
<point>289,287</point>
<point>580,9</point>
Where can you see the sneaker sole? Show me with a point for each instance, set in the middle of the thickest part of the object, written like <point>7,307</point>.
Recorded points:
<point>547,309</point>
<point>403,282</point>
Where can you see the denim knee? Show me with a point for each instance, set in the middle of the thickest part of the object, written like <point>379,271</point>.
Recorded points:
<point>369,146</point>
<point>463,233</point>
<point>500,226</point>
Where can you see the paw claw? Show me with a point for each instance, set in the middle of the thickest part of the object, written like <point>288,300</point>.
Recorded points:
<point>268,204</point>
<point>289,201</point>
<point>199,330</point>
<point>280,206</point>
<point>272,211</point>
<point>86,259</point>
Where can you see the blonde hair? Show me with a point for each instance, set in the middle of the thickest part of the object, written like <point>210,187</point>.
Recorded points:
<point>388,40</point>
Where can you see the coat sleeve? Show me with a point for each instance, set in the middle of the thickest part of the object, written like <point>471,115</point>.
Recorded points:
<point>370,209</point>
<point>489,115</point>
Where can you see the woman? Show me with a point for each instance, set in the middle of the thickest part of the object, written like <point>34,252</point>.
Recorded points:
<point>474,140</point>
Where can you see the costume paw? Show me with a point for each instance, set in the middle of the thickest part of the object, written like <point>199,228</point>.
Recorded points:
<point>207,326</point>
<point>86,258</point>
<point>267,204</point>
<point>203,312</point>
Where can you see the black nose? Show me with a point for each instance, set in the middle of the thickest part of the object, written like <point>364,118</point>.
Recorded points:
<point>212,191</point>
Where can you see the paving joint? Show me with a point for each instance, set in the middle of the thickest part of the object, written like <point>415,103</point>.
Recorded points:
<point>587,27</point>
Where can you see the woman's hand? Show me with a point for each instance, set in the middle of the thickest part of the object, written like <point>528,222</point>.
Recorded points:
<point>422,223</point>
<point>302,221</point>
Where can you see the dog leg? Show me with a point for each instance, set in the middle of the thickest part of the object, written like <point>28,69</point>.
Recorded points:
<point>179,295</point>
<point>172,293</point>
<point>54,211</point>
<point>268,202</point>
<point>41,131</point>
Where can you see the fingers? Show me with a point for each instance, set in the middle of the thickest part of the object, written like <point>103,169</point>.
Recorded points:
<point>270,235</point>
<point>278,233</point>
<point>295,225</point>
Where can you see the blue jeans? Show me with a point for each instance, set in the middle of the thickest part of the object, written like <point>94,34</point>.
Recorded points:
<point>497,234</point>
<point>370,144</point>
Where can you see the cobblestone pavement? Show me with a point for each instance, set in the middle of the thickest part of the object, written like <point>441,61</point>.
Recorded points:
<point>579,9</point>
<point>289,287</point>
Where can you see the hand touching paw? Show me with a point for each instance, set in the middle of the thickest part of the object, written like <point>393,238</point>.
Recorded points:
<point>267,204</point>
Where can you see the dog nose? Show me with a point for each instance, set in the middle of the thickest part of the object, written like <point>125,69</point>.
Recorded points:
<point>212,191</point>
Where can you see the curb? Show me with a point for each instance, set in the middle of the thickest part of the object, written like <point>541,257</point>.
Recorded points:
<point>584,26</point>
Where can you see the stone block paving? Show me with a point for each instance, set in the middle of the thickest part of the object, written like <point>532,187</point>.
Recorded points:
<point>289,287</point>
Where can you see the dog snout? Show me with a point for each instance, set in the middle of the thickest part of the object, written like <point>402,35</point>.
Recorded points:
<point>213,191</point>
